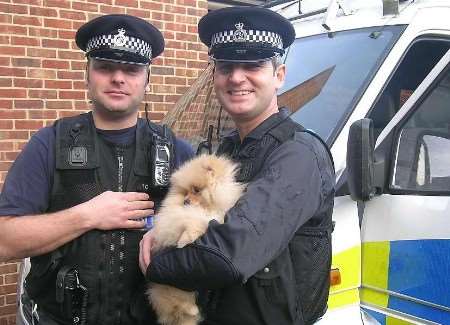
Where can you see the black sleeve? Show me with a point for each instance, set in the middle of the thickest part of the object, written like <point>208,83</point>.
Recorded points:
<point>288,192</point>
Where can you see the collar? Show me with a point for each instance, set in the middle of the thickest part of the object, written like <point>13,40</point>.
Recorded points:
<point>258,132</point>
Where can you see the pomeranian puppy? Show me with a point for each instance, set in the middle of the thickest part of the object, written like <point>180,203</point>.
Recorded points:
<point>203,189</point>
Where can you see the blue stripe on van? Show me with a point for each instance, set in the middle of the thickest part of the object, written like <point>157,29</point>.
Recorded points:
<point>421,269</point>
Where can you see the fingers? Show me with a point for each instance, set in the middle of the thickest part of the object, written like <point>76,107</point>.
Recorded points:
<point>145,247</point>
<point>135,196</point>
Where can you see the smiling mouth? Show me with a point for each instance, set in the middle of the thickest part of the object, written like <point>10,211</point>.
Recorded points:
<point>239,92</point>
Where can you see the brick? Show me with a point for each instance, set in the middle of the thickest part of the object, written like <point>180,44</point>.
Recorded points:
<point>67,94</point>
<point>6,124</point>
<point>72,15</point>
<point>42,114</point>
<point>5,39</point>
<point>78,65</point>
<point>55,64</point>
<point>57,23</point>
<point>186,19</point>
<point>28,104</point>
<point>13,29</point>
<point>176,27</point>
<point>41,73</point>
<point>41,93</point>
<point>127,3</point>
<point>58,105</point>
<point>145,14</point>
<point>106,2</point>
<point>4,166</point>
<point>72,75</point>
<point>5,82</point>
<point>89,7</point>
<point>186,37</point>
<point>28,83</point>
<point>11,299</point>
<point>57,3</point>
<point>66,34</point>
<point>43,32</point>
<point>79,85</point>
<point>43,12</point>
<point>155,70</point>
<point>6,104</point>
<point>190,3</point>
<point>175,9</point>
<point>4,18</point>
<point>152,6</point>
<point>71,55</point>
<point>8,309</point>
<point>11,50</point>
<point>4,61</point>
<point>11,114</point>
<point>42,53</point>
<point>10,155</point>
<point>26,62</point>
<point>13,9</point>
<point>58,84</point>
<point>13,93</point>
<point>21,20</point>
<point>82,105</point>
<point>11,278</point>
<point>112,9</point>
<point>60,44</point>
<point>27,125</point>
<point>8,268</point>
<point>25,41</point>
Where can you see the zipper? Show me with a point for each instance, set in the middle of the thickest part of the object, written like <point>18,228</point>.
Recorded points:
<point>119,169</point>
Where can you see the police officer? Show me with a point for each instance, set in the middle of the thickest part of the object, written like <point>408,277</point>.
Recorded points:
<point>77,197</point>
<point>269,262</point>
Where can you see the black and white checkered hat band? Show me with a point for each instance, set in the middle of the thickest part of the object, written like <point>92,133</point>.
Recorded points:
<point>248,36</point>
<point>127,43</point>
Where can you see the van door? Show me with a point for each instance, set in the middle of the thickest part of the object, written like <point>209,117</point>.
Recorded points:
<point>406,227</point>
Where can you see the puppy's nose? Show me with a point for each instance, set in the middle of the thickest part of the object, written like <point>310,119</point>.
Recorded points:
<point>187,201</point>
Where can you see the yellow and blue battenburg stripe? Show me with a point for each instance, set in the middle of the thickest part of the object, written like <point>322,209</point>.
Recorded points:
<point>407,281</point>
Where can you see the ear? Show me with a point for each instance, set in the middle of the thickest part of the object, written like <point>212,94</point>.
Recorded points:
<point>210,174</point>
<point>280,75</point>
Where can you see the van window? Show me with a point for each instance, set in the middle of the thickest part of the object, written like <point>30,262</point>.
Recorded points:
<point>422,158</point>
<point>418,61</point>
<point>326,75</point>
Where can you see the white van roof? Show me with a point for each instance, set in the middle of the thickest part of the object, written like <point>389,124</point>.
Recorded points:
<point>349,14</point>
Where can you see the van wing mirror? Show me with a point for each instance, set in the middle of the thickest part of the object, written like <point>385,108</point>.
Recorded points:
<point>360,160</point>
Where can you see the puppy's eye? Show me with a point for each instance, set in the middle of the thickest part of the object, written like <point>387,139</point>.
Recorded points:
<point>195,189</point>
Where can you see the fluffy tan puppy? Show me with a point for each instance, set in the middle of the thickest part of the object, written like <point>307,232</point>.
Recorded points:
<point>203,189</point>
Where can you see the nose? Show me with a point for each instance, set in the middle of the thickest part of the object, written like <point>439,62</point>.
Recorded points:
<point>187,201</point>
<point>237,75</point>
<point>118,76</point>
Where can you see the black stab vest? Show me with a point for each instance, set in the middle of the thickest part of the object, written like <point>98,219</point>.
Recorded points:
<point>304,265</point>
<point>107,261</point>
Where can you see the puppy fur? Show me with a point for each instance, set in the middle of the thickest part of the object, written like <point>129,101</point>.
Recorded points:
<point>203,189</point>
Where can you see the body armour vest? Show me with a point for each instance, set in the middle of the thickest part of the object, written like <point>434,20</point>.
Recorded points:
<point>303,268</point>
<point>106,262</point>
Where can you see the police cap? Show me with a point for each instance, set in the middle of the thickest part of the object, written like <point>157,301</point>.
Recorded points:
<point>245,34</point>
<point>120,38</point>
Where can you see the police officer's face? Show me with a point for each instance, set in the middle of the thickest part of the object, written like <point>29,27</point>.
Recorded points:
<point>248,91</point>
<point>116,88</point>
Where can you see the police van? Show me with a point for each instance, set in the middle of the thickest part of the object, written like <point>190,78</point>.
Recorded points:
<point>372,78</point>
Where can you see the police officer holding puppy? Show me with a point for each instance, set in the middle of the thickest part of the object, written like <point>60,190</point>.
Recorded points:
<point>77,197</point>
<point>269,262</point>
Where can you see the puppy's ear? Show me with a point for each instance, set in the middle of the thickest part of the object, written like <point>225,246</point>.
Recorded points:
<point>210,174</point>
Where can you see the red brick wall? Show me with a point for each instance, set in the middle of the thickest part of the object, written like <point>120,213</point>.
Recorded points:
<point>42,73</point>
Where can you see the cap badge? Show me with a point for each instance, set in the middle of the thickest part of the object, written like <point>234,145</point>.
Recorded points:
<point>120,39</point>
<point>239,35</point>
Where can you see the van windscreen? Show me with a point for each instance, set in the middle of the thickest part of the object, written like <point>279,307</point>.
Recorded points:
<point>327,74</point>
